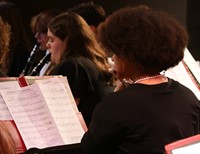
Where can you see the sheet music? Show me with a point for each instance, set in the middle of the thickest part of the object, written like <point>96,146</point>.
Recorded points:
<point>189,149</point>
<point>191,63</point>
<point>61,108</point>
<point>179,73</point>
<point>63,80</point>
<point>69,93</point>
<point>4,112</point>
<point>32,116</point>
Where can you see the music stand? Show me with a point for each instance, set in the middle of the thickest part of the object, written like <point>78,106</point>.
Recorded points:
<point>190,145</point>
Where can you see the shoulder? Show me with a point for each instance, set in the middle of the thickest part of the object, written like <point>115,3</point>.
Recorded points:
<point>80,64</point>
<point>67,67</point>
<point>179,86</point>
<point>63,67</point>
<point>186,91</point>
<point>67,63</point>
<point>72,62</point>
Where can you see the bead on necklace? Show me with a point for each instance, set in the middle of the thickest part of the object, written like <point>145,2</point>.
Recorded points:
<point>149,77</point>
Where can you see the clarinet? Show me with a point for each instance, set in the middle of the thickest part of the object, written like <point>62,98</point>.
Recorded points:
<point>29,62</point>
<point>39,66</point>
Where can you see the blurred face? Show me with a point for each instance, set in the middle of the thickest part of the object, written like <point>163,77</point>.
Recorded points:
<point>56,46</point>
<point>42,39</point>
<point>122,67</point>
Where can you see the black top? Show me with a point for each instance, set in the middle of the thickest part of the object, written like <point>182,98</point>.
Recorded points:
<point>62,149</point>
<point>86,83</point>
<point>142,119</point>
<point>18,61</point>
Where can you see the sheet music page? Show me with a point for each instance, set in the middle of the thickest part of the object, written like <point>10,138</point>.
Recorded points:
<point>189,149</point>
<point>192,64</point>
<point>4,112</point>
<point>69,93</point>
<point>179,73</point>
<point>32,79</point>
<point>62,110</point>
<point>32,116</point>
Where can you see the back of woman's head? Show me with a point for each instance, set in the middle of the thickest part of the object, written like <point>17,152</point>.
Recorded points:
<point>92,13</point>
<point>80,39</point>
<point>151,38</point>
<point>39,22</point>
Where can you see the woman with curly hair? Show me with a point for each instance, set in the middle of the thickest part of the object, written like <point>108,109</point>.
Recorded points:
<point>7,144</point>
<point>4,44</point>
<point>151,110</point>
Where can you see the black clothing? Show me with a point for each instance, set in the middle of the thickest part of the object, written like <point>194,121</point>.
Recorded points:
<point>142,119</point>
<point>18,61</point>
<point>86,83</point>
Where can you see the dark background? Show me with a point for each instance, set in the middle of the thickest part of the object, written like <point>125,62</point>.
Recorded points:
<point>185,11</point>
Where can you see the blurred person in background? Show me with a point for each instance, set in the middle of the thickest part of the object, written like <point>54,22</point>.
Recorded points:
<point>39,25</point>
<point>91,12</point>
<point>19,46</point>
<point>7,144</point>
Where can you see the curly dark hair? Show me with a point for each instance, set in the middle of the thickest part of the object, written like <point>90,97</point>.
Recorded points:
<point>148,37</point>
<point>5,33</point>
